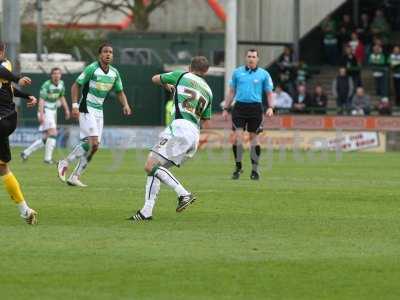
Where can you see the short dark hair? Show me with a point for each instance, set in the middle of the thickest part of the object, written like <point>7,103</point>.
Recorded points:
<point>55,69</point>
<point>252,50</point>
<point>199,64</point>
<point>105,44</point>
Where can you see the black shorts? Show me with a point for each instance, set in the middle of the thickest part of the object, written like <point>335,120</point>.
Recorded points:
<point>247,116</point>
<point>7,127</point>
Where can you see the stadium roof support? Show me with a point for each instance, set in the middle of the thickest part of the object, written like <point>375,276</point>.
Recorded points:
<point>230,41</point>
<point>11,29</point>
<point>296,30</point>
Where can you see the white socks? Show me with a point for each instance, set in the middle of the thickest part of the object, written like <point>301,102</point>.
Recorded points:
<point>23,208</point>
<point>152,189</point>
<point>34,146</point>
<point>79,150</point>
<point>80,167</point>
<point>167,178</point>
<point>49,148</point>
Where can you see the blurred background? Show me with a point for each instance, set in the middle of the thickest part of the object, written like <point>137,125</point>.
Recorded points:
<point>334,63</point>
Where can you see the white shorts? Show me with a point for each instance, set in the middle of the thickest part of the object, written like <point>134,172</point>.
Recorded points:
<point>50,120</point>
<point>178,142</point>
<point>91,124</point>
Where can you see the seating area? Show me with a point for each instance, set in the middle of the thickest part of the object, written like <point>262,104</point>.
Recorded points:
<point>360,74</point>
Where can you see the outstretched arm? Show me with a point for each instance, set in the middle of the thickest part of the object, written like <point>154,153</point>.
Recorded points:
<point>31,100</point>
<point>9,76</point>
<point>157,80</point>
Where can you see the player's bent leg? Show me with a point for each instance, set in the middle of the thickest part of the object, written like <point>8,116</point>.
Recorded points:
<point>74,179</point>
<point>36,145</point>
<point>80,150</point>
<point>14,190</point>
<point>255,152</point>
<point>159,171</point>
<point>151,192</point>
<point>50,145</point>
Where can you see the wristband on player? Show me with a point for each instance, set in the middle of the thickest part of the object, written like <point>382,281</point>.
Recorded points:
<point>75,105</point>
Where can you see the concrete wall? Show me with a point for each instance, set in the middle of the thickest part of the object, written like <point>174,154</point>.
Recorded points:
<point>272,21</point>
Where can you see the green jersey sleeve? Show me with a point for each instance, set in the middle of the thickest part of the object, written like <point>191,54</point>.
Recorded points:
<point>118,87</point>
<point>43,90</point>
<point>85,76</point>
<point>171,77</point>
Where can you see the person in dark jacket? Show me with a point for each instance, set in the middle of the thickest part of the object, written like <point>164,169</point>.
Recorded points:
<point>353,68</point>
<point>319,100</point>
<point>301,100</point>
<point>394,62</point>
<point>342,90</point>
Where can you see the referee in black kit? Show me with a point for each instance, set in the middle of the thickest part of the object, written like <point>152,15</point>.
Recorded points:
<point>247,86</point>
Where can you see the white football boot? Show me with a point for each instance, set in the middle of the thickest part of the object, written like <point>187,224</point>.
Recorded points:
<point>62,167</point>
<point>73,180</point>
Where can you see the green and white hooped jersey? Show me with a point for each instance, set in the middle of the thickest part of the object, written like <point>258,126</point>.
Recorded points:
<point>96,85</point>
<point>51,93</point>
<point>193,95</point>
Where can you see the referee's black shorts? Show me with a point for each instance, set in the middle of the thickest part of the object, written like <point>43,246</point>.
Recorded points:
<point>7,127</point>
<point>247,116</point>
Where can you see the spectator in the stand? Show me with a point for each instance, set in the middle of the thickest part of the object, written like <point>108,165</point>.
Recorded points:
<point>394,62</point>
<point>384,107</point>
<point>365,35</point>
<point>377,61</point>
<point>380,27</point>
<point>346,27</point>
<point>360,103</point>
<point>330,41</point>
<point>302,73</point>
<point>319,100</point>
<point>342,90</point>
<point>352,66</point>
<point>302,100</point>
<point>282,100</point>
<point>392,11</point>
<point>286,66</point>
<point>357,48</point>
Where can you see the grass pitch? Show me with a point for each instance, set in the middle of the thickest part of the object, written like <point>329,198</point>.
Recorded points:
<point>324,229</point>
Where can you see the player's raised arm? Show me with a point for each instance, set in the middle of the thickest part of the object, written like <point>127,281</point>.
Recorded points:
<point>168,80</point>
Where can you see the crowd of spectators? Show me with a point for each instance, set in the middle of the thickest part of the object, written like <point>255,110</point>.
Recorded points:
<point>351,48</point>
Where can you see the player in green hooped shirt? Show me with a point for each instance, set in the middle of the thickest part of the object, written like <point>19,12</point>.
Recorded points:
<point>52,94</point>
<point>96,81</point>
<point>179,141</point>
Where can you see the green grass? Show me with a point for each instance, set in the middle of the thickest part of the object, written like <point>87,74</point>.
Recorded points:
<point>325,229</point>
